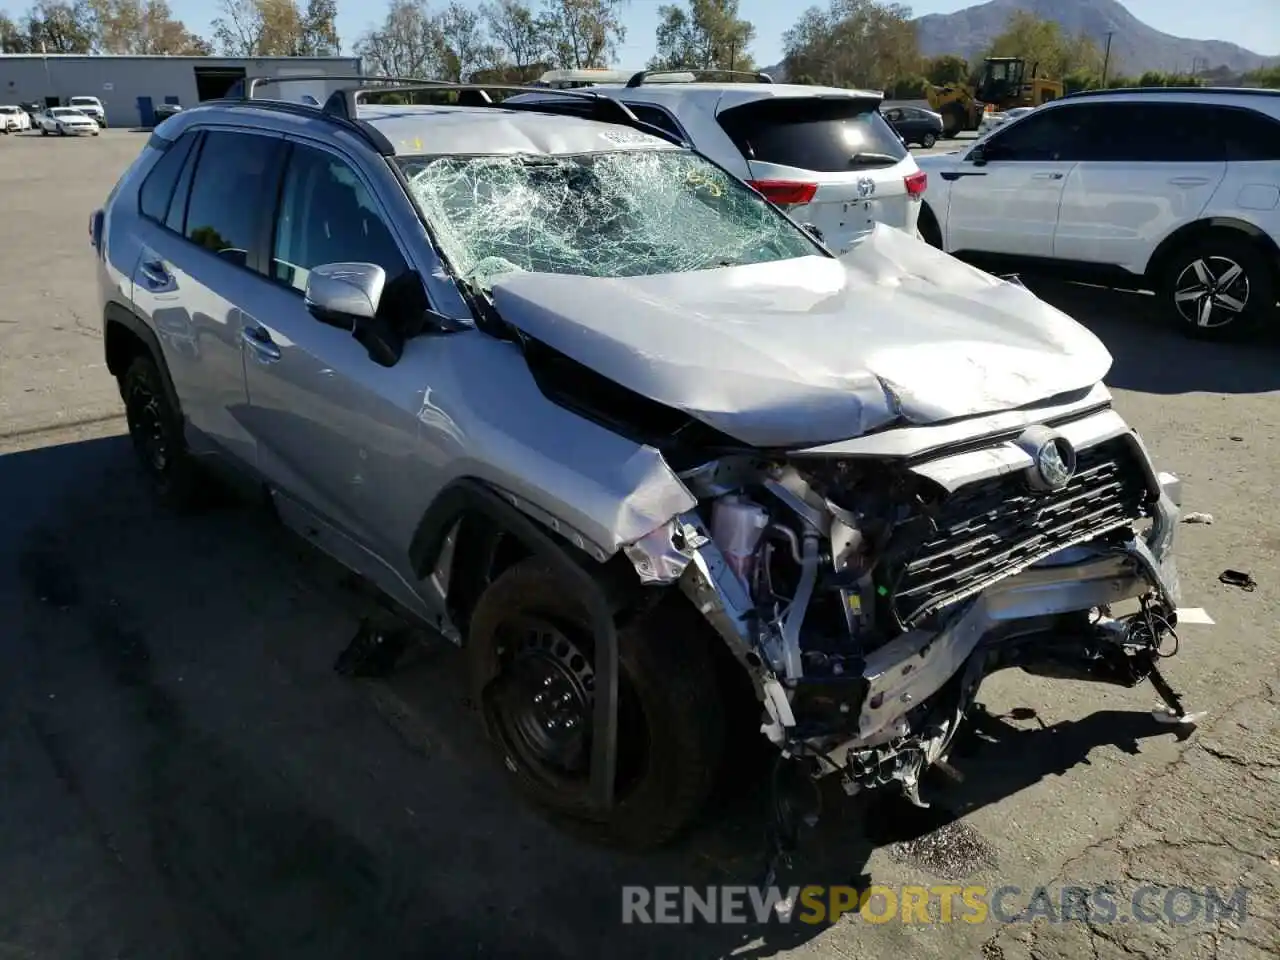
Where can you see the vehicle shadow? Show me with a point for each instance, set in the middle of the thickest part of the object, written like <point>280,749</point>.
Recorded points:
<point>208,786</point>
<point>1153,356</point>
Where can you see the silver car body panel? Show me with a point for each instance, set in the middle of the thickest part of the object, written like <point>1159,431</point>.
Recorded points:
<point>815,350</point>
<point>893,334</point>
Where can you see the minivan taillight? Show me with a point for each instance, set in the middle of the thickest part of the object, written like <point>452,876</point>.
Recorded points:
<point>916,184</point>
<point>786,193</point>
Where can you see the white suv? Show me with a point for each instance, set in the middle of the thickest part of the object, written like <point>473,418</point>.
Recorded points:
<point>823,154</point>
<point>1175,190</point>
<point>91,107</point>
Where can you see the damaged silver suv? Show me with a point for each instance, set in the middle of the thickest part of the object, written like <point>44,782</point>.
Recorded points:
<point>593,408</point>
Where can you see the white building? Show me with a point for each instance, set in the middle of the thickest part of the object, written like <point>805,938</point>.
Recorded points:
<point>130,87</point>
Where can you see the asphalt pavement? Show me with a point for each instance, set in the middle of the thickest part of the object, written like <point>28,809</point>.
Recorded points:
<point>183,775</point>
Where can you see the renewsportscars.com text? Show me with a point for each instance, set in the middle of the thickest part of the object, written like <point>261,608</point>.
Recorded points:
<point>942,903</point>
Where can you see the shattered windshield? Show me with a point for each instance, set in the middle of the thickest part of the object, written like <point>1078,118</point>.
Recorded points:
<point>610,214</point>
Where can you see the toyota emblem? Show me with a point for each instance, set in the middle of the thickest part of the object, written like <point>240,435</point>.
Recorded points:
<point>1056,463</point>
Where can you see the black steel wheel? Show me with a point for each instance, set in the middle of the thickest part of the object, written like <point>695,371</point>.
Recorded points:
<point>531,660</point>
<point>155,428</point>
<point>1219,287</point>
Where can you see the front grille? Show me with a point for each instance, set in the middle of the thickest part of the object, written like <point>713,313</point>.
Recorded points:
<point>992,529</point>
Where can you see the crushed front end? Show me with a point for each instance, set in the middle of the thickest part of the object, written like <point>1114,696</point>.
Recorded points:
<point>869,596</point>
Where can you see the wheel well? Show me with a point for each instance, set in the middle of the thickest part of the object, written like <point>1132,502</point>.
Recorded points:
<point>929,219</point>
<point>122,345</point>
<point>1193,232</point>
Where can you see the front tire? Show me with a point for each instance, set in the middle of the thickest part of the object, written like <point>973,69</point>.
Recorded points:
<point>530,656</point>
<point>953,121</point>
<point>1219,287</point>
<point>155,427</point>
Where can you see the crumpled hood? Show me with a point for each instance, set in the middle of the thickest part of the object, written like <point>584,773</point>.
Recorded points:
<point>814,350</point>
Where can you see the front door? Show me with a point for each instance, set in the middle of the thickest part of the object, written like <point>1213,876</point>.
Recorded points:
<point>1006,192</point>
<point>336,433</point>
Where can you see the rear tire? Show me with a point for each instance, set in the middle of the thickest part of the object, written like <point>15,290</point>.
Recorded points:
<point>530,657</point>
<point>155,428</point>
<point>1220,286</point>
<point>928,141</point>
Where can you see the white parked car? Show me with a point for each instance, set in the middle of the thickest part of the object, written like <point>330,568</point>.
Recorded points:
<point>1167,189</point>
<point>67,121</point>
<point>992,121</point>
<point>91,106</point>
<point>825,155</point>
<point>13,119</point>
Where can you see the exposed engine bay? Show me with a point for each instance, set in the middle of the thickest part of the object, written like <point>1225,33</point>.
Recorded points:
<point>868,598</point>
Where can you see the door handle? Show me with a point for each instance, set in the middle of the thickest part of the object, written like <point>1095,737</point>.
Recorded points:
<point>259,341</point>
<point>154,271</point>
<point>1046,176</point>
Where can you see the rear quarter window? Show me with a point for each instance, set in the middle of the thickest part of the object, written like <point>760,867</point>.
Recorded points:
<point>158,187</point>
<point>1249,136</point>
<point>819,134</point>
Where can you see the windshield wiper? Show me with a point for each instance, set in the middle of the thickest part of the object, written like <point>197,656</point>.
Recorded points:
<point>867,158</point>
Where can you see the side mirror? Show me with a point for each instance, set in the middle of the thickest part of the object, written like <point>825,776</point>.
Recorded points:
<point>346,296</point>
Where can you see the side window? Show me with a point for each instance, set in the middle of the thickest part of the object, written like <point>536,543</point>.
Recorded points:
<point>225,202</point>
<point>157,189</point>
<point>1247,134</point>
<point>1044,136</point>
<point>327,216</point>
<point>1156,133</point>
<point>177,218</point>
<point>657,117</point>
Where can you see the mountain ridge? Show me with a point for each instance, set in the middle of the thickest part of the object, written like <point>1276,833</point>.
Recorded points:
<point>1136,47</point>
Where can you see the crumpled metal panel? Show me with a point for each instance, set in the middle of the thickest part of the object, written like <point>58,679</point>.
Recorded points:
<point>813,350</point>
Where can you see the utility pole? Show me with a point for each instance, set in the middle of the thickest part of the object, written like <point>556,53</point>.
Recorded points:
<point>1106,59</point>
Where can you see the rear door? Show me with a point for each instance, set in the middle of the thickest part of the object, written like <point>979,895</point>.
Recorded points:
<point>202,230</point>
<point>831,161</point>
<point>1147,169</point>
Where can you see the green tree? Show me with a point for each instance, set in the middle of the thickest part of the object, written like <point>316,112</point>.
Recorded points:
<point>404,44</point>
<point>514,27</point>
<point>1267,77</point>
<point>853,43</point>
<point>709,34</point>
<point>1046,48</point>
<point>320,30</point>
<point>144,27</point>
<point>582,33</point>
<point>946,70</point>
<point>54,26</point>
<point>259,28</point>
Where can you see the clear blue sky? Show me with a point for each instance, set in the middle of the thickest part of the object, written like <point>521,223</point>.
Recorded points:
<point>1254,24</point>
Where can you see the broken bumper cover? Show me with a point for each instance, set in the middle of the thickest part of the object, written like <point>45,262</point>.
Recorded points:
<point>913,667</point>
<point>910,669</point>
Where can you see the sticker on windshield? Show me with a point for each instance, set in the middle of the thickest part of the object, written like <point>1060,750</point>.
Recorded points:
<point>629,137</point>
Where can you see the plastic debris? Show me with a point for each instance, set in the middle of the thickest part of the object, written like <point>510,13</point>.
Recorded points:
<point>1198,518</point>
<point>1238,578</point>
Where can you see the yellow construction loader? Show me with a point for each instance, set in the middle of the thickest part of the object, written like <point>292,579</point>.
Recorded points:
<point>1003,85</point>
